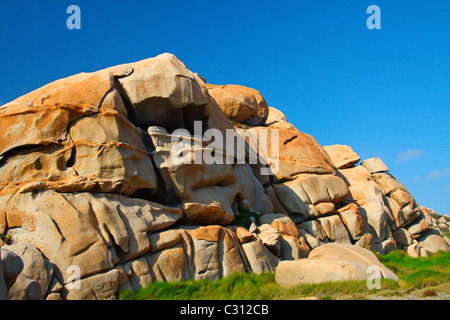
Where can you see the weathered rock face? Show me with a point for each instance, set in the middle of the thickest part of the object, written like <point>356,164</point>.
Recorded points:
<point>433,241</point>
<point>343,156</point>
<point>290,154</point>
<point>91,231</point>
<point>73,135</point>
<point>207,192</point>
<point>110,180</point>
<point>240,104</point>
<point>165,93</point>
<point>35,276</point>
<point>375,165</point>
<point>274,116</point>
<point>391,214</point>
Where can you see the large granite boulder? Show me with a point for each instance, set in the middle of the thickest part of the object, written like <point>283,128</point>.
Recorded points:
<point>342,156</point>
<point>240,104</point>
<point>329,263</point>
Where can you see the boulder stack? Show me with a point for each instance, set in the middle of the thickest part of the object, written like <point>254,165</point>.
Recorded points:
<point>144,172</point>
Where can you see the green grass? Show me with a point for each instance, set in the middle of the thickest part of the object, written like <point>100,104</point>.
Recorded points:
<point>5,238</point>
<point>445,232</point>
<point>243,219</point>
<point>431,273</point>
<point>237,286</point>
<point>419,272</point>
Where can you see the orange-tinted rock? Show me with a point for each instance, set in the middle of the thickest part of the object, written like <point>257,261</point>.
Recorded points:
<point>209,252</point>
<point>325,208</point>
<point>398,193</point>
<point>73,135</point>
<point>288,152</point>
<point>342,156</point>
<point>373,203</point>
<point>275,116</point>
<point>352,219</point>
<point>240,104</point>
<point>335,229</point>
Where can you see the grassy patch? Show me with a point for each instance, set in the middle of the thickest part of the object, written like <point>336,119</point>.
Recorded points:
<point>5,238</point>
<point>243,219</point>
<point>237,286</point>
<point>421,276</point>
<point>446,233</point>
<point>241,286</point>
<point>419,272</point>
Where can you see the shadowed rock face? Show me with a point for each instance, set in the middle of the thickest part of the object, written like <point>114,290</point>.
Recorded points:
<point>165,93</point>
<point>92,188</point>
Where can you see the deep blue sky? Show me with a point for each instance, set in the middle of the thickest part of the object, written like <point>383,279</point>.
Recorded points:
<point>384,92</point>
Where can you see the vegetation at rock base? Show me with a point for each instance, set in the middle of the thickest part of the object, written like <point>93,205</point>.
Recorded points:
<point>419,272</point>
<point>244,218</point>
<point>423,277</point>
<point>445,233</point>
<point>5,238</point>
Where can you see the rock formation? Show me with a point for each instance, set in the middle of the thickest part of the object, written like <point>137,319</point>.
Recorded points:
<point>115,179</point>
<point>332,262</point>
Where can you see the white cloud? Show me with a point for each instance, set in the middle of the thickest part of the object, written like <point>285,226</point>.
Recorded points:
<point>438,174</point>
<point>409,155</point>
<point>417,179</point>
